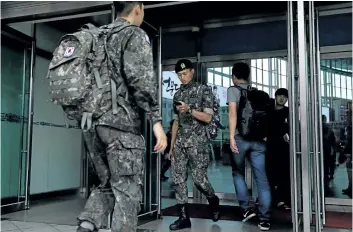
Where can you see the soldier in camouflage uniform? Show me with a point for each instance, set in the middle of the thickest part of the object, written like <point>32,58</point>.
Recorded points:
<point>115,144</point>
<point>193,111</point>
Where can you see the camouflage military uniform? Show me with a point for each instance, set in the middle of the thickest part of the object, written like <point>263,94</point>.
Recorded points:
<point>116,138</point>
<point>190,149</point>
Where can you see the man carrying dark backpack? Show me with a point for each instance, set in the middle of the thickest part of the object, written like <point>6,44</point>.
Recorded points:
<point>102,77</point>
<point>248,128</point>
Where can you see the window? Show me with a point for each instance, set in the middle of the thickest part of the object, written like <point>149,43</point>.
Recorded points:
<point>218,80</point>
<point>344,93</point>
<point>259,76</point>
<point>210,77</point>
<point>349,94</point>
<point>226,82</point>
<point>253,73</point>
<point>266,74</point>
<point>338,92</point>
<point>226,70</point>
<point>220,76</point>
<point>259,63</point>
<point>337,80</point>
<point>322,77</point>
<point>322,90</point>
<point>265,64</point>
<point>283,82</point>
<point>283,67</point>
<point>266,89</point>
<point>253,63</point>
<point>218,70</point>
<point>343,81</point>
<point>265,78</point>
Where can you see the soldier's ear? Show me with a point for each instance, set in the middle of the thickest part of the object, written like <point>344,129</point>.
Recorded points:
<point>192,71</point>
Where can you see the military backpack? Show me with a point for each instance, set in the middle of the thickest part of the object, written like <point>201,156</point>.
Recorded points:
<point>80,74</point>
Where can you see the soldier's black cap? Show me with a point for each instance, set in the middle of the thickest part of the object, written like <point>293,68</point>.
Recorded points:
<point>282,91</point>
<point>182,65</point>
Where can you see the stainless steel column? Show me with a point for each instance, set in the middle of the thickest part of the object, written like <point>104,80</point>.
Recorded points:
<point>292,116</point>
<point>303,74</point>
<point>160,80</point>
<point>318,65</point>
<point>315,118</point>
<point>30,121</point>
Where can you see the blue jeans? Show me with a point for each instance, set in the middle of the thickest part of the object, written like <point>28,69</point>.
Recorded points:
<point>256,152</point>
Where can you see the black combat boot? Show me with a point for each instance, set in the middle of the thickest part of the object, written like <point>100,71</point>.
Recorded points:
<point>184,221</point>
<point>214,206</point>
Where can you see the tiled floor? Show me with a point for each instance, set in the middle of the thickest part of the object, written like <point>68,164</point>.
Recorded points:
<point>15,226</point>
<point>198,225</point>
<point>60,214</point>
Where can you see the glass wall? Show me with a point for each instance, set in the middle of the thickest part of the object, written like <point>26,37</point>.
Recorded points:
<point>336,93</point>
<point>14,105</point>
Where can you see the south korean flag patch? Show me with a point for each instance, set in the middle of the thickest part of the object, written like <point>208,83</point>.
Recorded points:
<point>69,51</point>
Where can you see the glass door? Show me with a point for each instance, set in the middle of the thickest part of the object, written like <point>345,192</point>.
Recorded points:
<point>336,109</point>
<point>218,76</point>
<point>15,73</point>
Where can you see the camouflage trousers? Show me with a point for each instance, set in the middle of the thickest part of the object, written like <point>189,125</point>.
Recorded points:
<point>196,159</point>
<point>118,159</point>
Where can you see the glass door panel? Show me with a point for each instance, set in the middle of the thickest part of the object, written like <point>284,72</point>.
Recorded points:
<point>336,110</point>
<point>15,63</point>
<point>219,78</point>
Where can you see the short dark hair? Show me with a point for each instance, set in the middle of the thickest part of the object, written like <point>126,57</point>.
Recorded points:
<point>125,8</point>
<point>241,71</point>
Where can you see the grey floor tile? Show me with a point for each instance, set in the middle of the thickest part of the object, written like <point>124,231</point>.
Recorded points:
<point>61,212</point>
<point>8,226</point>
<point>64,228</point>
<point>30,225</point>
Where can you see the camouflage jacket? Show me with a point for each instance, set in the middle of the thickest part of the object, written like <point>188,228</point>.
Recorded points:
<point>192,131</point>
<point>131,65</point>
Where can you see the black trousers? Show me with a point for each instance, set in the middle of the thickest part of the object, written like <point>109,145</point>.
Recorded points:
<point>278,170</point>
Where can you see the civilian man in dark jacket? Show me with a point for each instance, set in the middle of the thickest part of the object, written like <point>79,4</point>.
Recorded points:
<point>277,157</point>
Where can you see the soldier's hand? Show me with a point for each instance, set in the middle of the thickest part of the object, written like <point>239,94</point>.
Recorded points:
<point>169,155</point>
<point>183,107</point>
<point>161,138</point>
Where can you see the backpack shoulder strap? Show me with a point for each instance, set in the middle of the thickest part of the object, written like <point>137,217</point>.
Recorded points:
<point>112,29</point>
<point>243,91</point>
